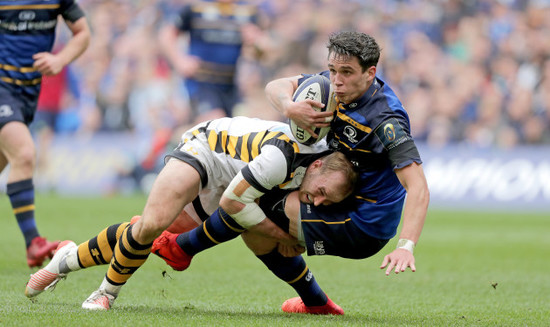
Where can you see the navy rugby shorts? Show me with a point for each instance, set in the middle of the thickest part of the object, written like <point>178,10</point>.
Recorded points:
<point>16,107</point>
<point>329,231</point>
<point>205,98</point>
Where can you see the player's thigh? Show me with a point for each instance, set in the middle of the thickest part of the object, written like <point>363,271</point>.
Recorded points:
<point>3,161</point>
<point>187,220</point>
<point>16,112</point>
<point>177,184</point>
<point>16,143</point>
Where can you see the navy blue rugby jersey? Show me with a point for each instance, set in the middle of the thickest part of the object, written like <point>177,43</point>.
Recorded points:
<point>374,133</point>
<point>28,27</point>
<point>215,36</point>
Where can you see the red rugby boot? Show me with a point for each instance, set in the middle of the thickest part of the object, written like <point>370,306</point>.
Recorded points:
<point>296,305</point>
<point>40,250</point>
<point>165,246</point>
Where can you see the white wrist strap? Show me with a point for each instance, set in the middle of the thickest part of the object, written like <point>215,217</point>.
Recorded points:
<point>405,244</point>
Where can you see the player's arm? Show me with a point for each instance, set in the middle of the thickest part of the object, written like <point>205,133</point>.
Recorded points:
<point>51,64</point>
<point>168,37</point>
<point>279,93</point>
<point>416,206</point>
<point>239,201</point>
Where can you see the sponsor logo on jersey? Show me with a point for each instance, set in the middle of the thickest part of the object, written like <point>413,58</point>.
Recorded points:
<point>190,149</point>
<point>27,15</point>
<point>319,247</point>
<point>5,110</point>
<point>389,132</point>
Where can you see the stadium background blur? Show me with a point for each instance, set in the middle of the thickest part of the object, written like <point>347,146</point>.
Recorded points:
<point>473,75</point>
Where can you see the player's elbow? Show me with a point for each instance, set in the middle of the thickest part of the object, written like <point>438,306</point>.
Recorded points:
<point>231,206</point>
<point>423,195</point>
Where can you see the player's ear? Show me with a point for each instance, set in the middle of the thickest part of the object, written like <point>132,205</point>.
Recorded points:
<point>317,164</point>
<point>371,71</point>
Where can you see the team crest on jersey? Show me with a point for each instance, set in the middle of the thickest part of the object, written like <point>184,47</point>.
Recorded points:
<point>350,133</point>
<point>5,110</point>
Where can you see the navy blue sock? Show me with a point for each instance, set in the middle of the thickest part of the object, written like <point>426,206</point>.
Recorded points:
<point>295,272</point>
<point>22,201</point>
<point>218,228</point>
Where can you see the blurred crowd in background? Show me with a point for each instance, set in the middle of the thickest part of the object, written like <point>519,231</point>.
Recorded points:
<point>467,71</point>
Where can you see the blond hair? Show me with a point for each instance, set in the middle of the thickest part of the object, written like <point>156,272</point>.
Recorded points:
<point>337,161</point>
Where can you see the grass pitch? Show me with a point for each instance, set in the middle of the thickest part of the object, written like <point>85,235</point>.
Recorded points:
<point>473,269</point>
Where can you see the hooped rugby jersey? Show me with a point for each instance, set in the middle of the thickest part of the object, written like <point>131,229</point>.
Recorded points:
<point>374,133</point>
<point>28,27</point>
<point>265,152</point>
<point>215,37</point>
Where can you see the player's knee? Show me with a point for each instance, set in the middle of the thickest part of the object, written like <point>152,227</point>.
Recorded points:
<point>24,159</point>
<point>144,231</point>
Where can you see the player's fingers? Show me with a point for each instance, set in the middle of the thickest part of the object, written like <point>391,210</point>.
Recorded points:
<point>311,132</point>
<point>388,271</point>
<point>397,270</point>
<point>321,123</point>
<point>390,268</point>
<point>315,104</point>
<point>38,63</point>
<point>322,115</point>
<point>413,268</point>
<point>38,55</point>
<point>384,262</point>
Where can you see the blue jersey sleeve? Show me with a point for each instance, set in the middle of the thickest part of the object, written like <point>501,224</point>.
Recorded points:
<point>71,11</point>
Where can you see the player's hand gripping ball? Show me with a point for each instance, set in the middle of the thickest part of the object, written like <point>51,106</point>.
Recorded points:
<point>318,88</point>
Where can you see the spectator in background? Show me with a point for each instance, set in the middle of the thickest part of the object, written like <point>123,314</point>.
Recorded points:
<point>466,50</point>
<point>28,34</point>
<point>468,72</point>
<point>216,32</point>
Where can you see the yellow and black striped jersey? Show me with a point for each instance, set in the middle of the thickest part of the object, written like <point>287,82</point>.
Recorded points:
<point>265,152</point>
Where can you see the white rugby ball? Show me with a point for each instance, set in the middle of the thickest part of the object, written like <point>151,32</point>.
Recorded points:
<point>318,88</point>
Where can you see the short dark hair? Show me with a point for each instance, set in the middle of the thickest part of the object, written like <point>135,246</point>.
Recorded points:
<point>355,44</point>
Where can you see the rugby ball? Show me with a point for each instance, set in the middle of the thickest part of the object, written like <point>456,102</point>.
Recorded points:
<point>318,88</point>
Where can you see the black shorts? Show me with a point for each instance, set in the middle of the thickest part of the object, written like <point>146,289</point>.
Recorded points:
<point>206,98</point>
<point>328,230</point>
<point>16,107</point>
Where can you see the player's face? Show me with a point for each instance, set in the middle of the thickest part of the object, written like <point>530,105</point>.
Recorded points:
<point>322,189</point>
<point>347,77</point>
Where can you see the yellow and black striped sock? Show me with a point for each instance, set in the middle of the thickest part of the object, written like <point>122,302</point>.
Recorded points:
<point>99,250</point>
<point>128,256</point>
